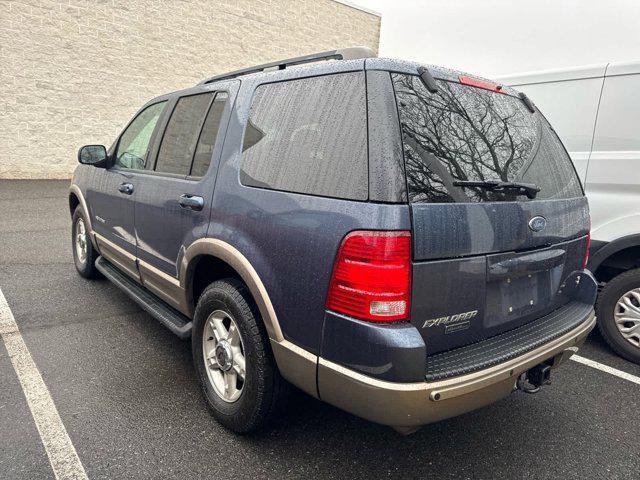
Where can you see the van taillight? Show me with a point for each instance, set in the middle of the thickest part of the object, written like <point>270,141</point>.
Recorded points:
<point>372,276</point>
<point>586,252</point>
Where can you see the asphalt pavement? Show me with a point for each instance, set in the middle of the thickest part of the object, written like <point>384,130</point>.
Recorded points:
<point>126,391</point>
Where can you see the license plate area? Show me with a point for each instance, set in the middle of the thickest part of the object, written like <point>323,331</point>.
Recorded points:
<point>515,297</point>
<point>518,287</point>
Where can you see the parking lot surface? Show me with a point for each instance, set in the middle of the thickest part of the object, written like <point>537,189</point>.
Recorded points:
<point>127,394</point>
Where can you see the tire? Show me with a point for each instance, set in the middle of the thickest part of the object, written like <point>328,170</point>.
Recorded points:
<point>84,260</point>
<point>262,390</point>
<point>605,312</point>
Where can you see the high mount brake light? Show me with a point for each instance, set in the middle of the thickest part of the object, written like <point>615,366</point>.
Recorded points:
<point>372,276</point>
<point>476,82</point>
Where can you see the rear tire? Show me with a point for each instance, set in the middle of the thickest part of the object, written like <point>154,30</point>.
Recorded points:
<point>84,255</point>
<point>223,307</point>
<point>623,288</point>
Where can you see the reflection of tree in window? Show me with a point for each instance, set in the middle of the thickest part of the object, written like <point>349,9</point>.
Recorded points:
<point>462,133</point>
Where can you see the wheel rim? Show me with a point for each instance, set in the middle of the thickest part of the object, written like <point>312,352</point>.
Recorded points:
<point>627,316</point>
<point>81,241</point>
<point>223,353</point>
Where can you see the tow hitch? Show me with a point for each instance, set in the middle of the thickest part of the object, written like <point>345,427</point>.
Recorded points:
<point>532,380</point>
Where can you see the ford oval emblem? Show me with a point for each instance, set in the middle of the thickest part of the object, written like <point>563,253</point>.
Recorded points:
<point>537,223</point>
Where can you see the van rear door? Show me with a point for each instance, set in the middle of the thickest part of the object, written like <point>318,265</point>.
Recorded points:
<point>487,257</point>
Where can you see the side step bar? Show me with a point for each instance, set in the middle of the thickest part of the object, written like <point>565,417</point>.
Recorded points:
<point>165,314</point>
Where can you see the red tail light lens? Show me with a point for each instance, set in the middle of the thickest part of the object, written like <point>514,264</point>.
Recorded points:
<point>586,252</point>
<point>372,276</point>
<point>476,82</point>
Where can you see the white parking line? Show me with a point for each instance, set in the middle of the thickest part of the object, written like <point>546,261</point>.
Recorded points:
<point>61,452</point>
<point>606,368</point>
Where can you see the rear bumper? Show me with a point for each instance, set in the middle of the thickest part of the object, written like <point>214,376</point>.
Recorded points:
<point>409,405</point>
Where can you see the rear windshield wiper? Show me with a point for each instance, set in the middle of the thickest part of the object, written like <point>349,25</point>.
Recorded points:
<point>528,189</point>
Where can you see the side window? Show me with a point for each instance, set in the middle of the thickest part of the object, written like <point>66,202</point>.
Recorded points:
<point>180,137</point>
<point>309,136</point>
<point>207,140</point>
<point>134,141</point>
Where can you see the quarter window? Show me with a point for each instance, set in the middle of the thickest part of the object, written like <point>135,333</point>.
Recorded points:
<point>134,141</point>
<point>180,137</point>
<point>309,136</point>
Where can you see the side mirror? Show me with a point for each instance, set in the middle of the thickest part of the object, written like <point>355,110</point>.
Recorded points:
<point>95,155</point>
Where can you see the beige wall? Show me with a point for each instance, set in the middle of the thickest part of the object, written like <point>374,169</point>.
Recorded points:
<point>73,72</point>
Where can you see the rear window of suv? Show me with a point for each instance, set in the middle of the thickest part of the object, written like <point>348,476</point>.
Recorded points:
<point>309,136</point>
<point>464,133</point>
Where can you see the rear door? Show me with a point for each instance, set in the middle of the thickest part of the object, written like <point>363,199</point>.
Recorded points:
<point>173,200</point>
<point>486,260</point>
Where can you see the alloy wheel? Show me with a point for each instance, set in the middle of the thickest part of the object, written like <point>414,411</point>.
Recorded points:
<point>224,357</point>
<point>81,241</point>
<point>627,316</point>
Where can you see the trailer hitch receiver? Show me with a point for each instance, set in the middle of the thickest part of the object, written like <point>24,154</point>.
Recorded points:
<point>532,380</point>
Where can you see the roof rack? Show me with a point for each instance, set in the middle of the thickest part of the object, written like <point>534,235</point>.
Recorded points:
<point>351,53</point>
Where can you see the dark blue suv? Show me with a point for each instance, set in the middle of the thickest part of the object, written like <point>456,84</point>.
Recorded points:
<point>407,243</point>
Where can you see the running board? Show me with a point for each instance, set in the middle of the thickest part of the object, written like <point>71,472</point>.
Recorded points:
<point>165,314</point>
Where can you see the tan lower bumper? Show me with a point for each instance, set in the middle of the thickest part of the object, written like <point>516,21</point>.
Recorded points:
<point>407,405</point>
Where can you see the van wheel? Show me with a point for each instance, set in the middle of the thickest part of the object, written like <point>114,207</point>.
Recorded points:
<point>231,353</point>
<point>618,312</point>
<point>84,255</point>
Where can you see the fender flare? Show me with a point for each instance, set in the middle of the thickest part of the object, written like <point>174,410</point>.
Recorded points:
<point>232,256</point>
<point>297,365</point>
<point>74,189</point>
<point>612,248</point>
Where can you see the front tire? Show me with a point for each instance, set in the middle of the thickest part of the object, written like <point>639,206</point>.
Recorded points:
<point>618,313</point>
<point>84,255</point>
<point>232,356</point>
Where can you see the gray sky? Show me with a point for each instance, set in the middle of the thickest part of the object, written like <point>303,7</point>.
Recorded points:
<point>491,37</point>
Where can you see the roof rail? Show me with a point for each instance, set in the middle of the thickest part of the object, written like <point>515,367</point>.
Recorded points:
<point>351,53</point>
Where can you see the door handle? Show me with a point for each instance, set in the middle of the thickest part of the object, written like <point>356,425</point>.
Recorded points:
<point>126,188</point>
<point>191,202</point>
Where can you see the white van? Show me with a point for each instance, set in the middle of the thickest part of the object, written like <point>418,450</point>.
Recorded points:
<point>596,111</point>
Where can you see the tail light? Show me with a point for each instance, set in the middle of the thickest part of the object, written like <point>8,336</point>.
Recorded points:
<point>586,252</point>
<point>372,276</point>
